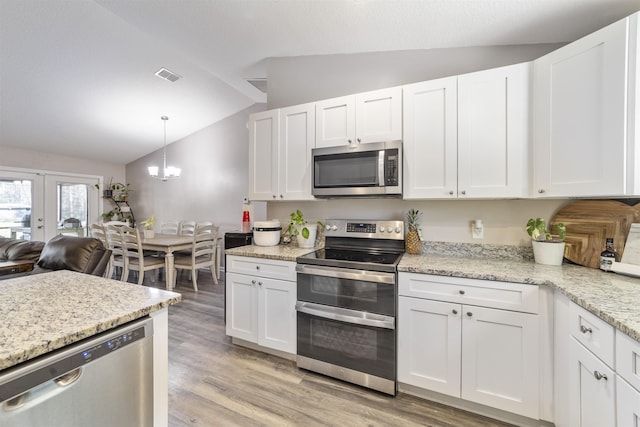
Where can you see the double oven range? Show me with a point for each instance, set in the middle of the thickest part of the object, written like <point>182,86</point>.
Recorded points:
<point>346,308</point>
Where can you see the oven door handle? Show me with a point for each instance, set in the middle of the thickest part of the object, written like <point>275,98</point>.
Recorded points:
<point>344,273</point>
<point>346,315</point>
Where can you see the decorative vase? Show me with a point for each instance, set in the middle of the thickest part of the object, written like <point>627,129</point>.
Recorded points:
<point>149,234</point>
<point>413,244</point>
<point>548,253</point>
<point>311,241</point>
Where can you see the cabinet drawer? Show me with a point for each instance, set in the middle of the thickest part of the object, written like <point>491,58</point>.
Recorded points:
<point>628,358</point>
<point>486,293</point>
<point>594,333</point>
<point>261,267</point>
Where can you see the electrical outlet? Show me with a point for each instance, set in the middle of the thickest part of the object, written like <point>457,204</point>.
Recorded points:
<point>477,229</point>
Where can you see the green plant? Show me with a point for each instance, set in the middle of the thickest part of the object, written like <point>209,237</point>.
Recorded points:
<point>149,223</point>
<point>107,215</point>
<point>537,230</point>
<point>298,225</point>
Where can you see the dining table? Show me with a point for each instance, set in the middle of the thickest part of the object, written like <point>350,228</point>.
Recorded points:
<point>168,243</point>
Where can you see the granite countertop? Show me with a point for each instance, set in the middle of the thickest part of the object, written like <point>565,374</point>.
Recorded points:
<point>281,252</point>
<point>45,312</point>
<point>612,297</point>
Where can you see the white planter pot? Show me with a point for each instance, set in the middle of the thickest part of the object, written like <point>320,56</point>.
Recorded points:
<point>548,253</point>
<point>148,234</point>
<point>311,241</point>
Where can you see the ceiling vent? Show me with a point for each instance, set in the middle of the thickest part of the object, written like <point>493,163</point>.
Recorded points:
<point>163,73</point>
<point>260,84</point>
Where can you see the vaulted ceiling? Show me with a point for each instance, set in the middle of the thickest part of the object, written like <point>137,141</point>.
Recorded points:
<point>77,76</point>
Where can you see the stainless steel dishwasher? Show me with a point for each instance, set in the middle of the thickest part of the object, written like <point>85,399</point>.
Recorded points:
<point>105,380</point>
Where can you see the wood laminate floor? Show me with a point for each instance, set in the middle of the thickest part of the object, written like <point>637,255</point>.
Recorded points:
<point>215,383</point>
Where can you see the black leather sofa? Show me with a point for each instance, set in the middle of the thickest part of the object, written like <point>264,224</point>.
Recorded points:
<point>81,254</point>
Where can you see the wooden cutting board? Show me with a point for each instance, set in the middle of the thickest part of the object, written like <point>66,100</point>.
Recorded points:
<point>589,223</point>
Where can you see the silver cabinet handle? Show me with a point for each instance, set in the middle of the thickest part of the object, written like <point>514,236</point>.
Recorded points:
<point>257,267</point>
<point>463,192</point>
<point>540,190</point>
<point>585,330</point>
<point>461,292</point>
<point>274,196</point>
<point>281,196</point>
<point>451,192</point>
<point>259,283</point>
<point>600,376</point>
<point>469,313</point>
<point>253,282</point>
<point>349,141</point>
<point>359,140</point>
<point>454,311</point>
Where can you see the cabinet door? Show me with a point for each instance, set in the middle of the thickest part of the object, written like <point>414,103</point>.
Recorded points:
<point>277,314</point>
<point>242,306</point>
<point>429,348</point>
<point>263,155</point>
<point>379,115</point>
<point>580,115</point>
<point>628,404</point>
<point>297,138</point>
<point>493,132</point>
<point>430,139</point>
<point>335,122</point>
<point>500,359</point>
<point>591,388</point>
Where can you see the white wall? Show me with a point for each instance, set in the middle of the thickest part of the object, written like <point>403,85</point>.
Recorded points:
<point>298,80</point>
<point>215,165</point>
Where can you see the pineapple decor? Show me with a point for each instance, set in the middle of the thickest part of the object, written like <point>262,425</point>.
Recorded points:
<point>413,241</point>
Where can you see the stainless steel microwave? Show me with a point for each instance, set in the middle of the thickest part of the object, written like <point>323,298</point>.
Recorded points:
<point>358,170</point>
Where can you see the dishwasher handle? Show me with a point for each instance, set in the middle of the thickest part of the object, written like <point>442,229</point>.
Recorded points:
<point>345,315</point>
<point>42,392</point>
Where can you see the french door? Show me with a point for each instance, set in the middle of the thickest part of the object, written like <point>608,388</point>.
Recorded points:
<point>39,205</point>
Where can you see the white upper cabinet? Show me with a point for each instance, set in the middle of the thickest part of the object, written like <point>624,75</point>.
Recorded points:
<point>263,151</point>
<point>430,123</point>
<point>297,126</point>
<point>467,136</point>
<point>585,115</point>
<point>366,117</point>
<point>493,132</point>
<point>280,153</point>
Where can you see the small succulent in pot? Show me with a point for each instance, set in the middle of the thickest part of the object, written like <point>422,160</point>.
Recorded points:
<point>537,230</point>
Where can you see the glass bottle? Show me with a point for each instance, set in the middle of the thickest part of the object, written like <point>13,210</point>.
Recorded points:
<point>608,255</point>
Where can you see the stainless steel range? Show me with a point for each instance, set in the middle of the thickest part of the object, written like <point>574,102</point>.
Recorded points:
<point>346,307</point>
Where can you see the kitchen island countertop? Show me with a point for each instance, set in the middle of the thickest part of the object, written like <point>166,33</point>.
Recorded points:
<point>45,312</point>
<point>612,297</point>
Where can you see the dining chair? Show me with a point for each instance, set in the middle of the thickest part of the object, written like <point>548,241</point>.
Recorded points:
<point>169,227</point>
<point>115,243</point>
<point>99,232</point>
<point>218,247</point>
<point>134,258</point>
<point>187,228</point>
<point>203,250</point>
<point>116,223</point>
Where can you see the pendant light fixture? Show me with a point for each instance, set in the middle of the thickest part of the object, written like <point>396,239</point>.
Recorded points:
<point>168,172</point>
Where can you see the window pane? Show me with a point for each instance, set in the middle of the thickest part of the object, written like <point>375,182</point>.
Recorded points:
<point>15,208</point>
<point>72,209</point>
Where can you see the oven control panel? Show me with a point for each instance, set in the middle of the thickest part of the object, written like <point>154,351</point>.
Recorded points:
<point>364,228</point>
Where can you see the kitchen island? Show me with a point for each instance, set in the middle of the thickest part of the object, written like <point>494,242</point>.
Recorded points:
<point>44,313</point>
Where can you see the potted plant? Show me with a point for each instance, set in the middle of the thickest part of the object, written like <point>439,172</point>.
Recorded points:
<point>148,227</point>
<point>547,248</point>
<point>305,233</point>
<point>121,192</point>
<point>107,216</point>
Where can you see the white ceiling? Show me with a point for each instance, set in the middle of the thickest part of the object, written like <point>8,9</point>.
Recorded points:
<point>77,76</point>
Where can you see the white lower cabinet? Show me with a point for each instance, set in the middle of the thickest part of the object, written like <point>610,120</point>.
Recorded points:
<point>592,385</point>
<point>260,309</point>
<point>481,354</point>
<point>628,404</point>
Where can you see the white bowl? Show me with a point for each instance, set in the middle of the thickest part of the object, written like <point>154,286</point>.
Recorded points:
<point>266,233</point>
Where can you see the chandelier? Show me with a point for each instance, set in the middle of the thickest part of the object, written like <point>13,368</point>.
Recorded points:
<point>168,172</point>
